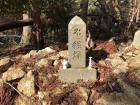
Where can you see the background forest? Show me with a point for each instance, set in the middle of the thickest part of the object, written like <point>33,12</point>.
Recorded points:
<point>104,18</point>
<point>34,50</point>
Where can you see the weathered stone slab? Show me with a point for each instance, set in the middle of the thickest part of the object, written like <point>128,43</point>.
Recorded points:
<point>136,40</point>
<point>26,85</point>
<point>72,75</point>
<point>77,40</point>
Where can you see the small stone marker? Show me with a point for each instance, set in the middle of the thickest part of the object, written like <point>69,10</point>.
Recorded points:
<point>77,54</point>
<point>136,40</point>
<point>76,38</point>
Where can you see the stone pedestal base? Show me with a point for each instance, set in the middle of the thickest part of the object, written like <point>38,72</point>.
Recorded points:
<point>74,74</point>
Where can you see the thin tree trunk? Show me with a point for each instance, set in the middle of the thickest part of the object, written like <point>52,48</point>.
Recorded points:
<point>84,9</point>
<point>36,14</point>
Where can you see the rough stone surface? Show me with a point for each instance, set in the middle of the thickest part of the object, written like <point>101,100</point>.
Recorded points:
<point>72,75</point>
<point>127,88</point>
<point>122,68</point>
<point>23,100</point>
<point>119,65</point>
<point>44,80</point>
<point>57,63</point>
<point>81,94</point>
<point>118,99</point>
<point>26,84</point>
<point>64,54</point>
<point>47,50</point>
<point>134,62</point>
<point>4,64</point>
<point>26,57</point>
<point>77,42</point>
<point>13,73</point>
<point>44,62</point>
<point>2,85</point>
<point>33,52</point>
<point>116,61</point>
<point>137,74</point>
<point>136,40</point>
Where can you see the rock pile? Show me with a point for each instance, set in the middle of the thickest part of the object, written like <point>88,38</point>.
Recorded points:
<point>34,76</point>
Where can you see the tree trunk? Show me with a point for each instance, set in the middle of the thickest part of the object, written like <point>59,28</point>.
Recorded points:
<point>36,14</point>
<point>84,9</point>
<point>26,34</point>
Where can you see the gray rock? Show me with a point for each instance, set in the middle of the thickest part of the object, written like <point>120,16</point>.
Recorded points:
<point>118,99</point>
<point>26,85</point>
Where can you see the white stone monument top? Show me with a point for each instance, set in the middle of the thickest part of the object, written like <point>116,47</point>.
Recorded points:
<point>77,41</point>
<point>136,40</point>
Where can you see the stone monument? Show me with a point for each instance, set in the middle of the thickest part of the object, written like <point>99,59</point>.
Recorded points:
<point>136,40</point>
<point>77,54</point>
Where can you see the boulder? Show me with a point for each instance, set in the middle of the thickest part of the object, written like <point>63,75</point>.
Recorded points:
<point>129,88</point>
<point>81,94</point>
<point>119,65</point>
<point>134,62</point>
<point>43,80</point>
<point>77,96</point>
<point>102,63</point>
<point>137,74</point>
<point>41,94</point>
<point>122,68</point>
<point>57,64</point>
<point>33,52</point>
<point>23,100</point>
<point>137,52</point>
<point>13,73</point>
<point>26,57</point>
<point>44,62</point>
<point>57,91</point>
<point>47,50</point>
<point>116,61</point>
<point>26,85</point>
<point>116,98</point>
<point>64,54</point>
<point>5,63</point>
